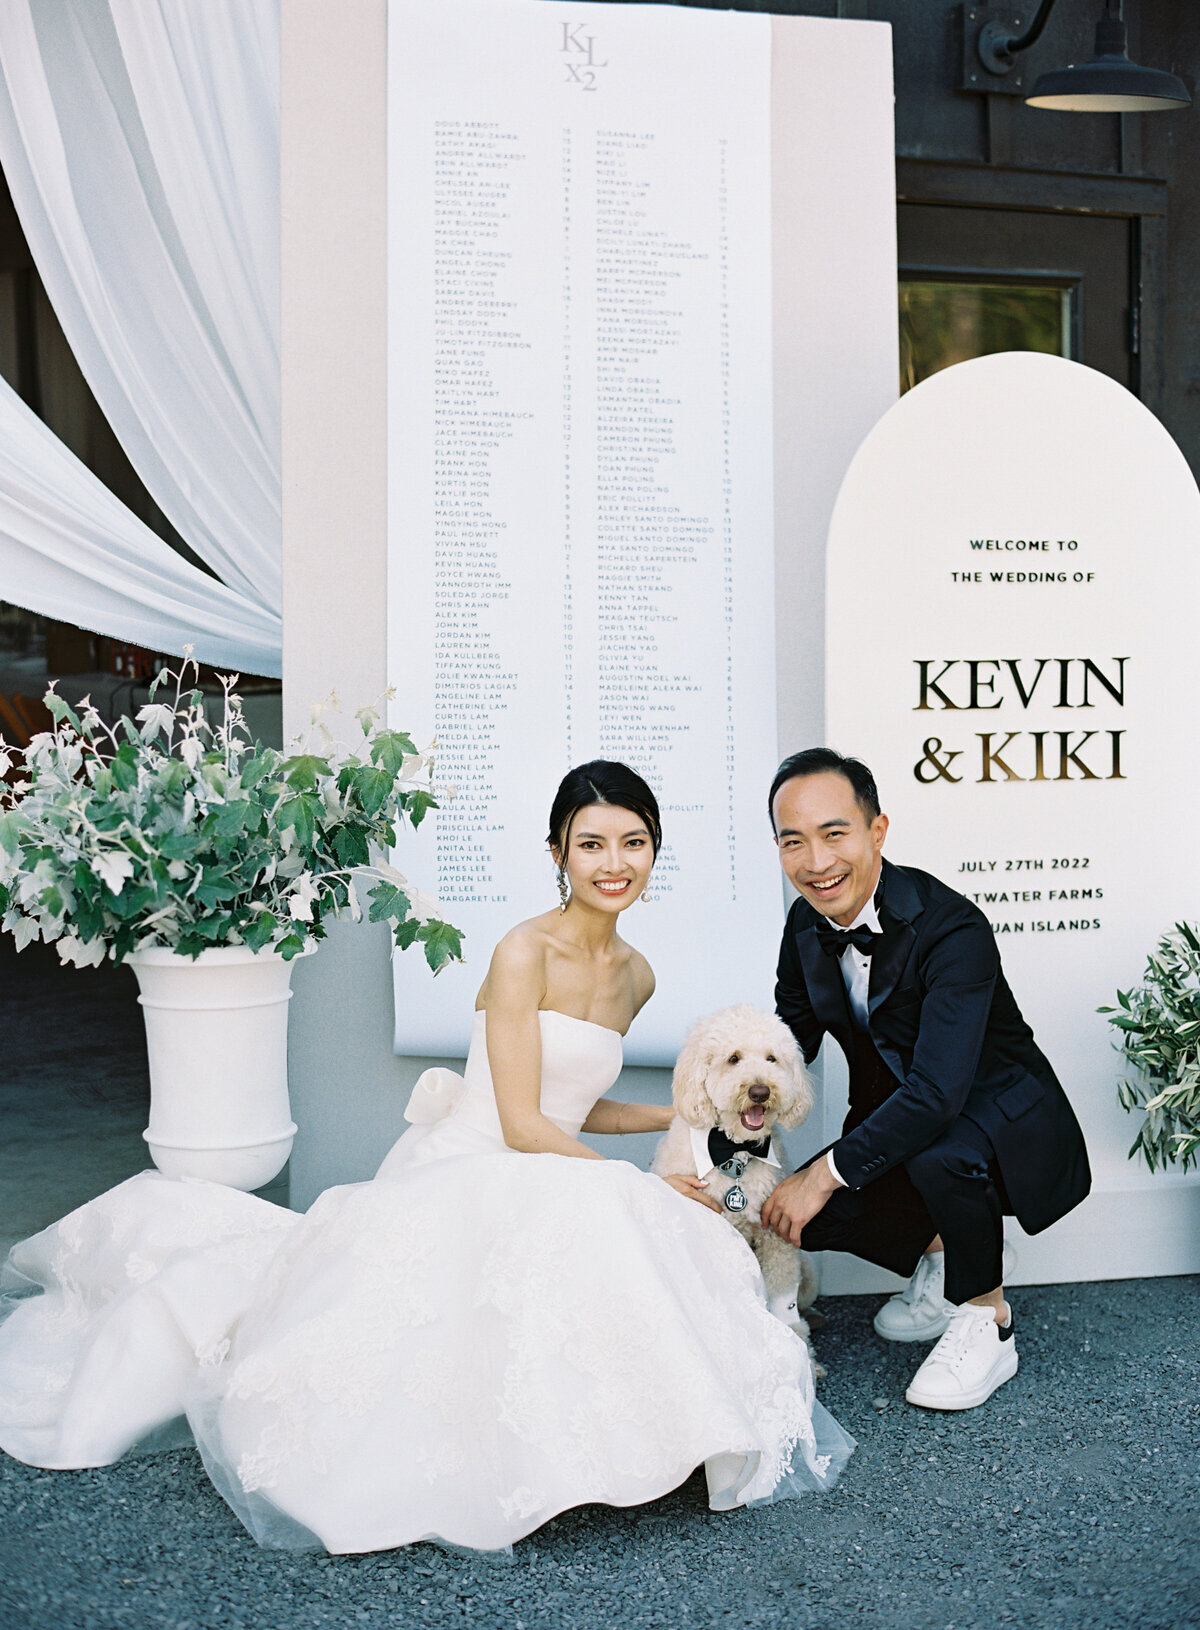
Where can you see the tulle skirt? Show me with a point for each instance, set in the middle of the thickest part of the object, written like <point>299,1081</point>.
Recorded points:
<point>456,1351</point>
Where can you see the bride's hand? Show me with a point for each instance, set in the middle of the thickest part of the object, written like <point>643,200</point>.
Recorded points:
<point>692,1188</point>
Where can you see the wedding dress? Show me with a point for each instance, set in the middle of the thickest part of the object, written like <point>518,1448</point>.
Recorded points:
<point>459,1349</point>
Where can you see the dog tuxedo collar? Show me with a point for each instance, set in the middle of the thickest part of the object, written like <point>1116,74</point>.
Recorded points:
<point>711,1148</point>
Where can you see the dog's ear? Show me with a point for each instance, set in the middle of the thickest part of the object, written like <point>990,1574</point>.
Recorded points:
<point>688,1085</point>
<point>789,1056</point>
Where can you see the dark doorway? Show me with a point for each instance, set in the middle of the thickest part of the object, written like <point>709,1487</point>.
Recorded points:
<point>978,280</point>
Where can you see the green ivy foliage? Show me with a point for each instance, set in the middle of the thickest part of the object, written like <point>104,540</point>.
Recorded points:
<point>1159,1026</point>
<point>169,830</point>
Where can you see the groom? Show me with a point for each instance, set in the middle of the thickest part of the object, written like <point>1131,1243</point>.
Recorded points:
<point>956,1117</point>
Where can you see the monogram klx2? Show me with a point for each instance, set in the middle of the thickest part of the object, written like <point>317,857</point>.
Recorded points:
<point>580,50</point>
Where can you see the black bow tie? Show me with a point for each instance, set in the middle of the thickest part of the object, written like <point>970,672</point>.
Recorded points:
<point>834,941</point>
<point>721,1148</point>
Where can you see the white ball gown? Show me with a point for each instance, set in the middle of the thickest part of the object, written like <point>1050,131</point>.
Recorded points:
<point>458,1350</point>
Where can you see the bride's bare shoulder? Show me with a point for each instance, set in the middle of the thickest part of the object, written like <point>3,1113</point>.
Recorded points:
<point>519,960</point>
<point>531,938</point>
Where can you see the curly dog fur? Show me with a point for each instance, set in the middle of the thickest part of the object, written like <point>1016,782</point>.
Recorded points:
<point>726,1061</point>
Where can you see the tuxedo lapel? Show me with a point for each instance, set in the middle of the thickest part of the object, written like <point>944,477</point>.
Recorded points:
<point>900,906</point>
<point>887,964</point>
<point>825,985</point>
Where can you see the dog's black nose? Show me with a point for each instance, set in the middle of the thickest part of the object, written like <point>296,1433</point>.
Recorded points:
<point>758,1094</point>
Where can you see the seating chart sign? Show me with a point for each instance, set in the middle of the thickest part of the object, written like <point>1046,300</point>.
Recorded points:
<point>1014,566</point>
<point>581,525</point>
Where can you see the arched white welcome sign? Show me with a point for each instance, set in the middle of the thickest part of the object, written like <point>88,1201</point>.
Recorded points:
<point>1013,647</point>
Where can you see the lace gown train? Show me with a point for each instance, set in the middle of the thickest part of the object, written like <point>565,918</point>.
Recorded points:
<point>459,1349</point>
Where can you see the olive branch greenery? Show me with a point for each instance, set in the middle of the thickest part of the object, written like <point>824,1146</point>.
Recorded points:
<point>170,830</point>
<point>1159,1024</point>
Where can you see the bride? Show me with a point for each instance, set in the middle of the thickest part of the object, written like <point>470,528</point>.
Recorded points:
<point>501,1325</point>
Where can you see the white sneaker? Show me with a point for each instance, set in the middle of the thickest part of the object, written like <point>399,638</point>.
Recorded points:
<point>920,1311</point>
<point>972,1359</point>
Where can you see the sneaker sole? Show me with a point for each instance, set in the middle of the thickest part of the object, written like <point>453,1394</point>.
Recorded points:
<point>929,1331</point>
<point>1003,1371</point>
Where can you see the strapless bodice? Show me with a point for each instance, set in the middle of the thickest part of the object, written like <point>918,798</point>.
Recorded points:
<point>580,1061</point>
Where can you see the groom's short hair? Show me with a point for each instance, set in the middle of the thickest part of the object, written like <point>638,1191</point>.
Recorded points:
<point>819,760</point>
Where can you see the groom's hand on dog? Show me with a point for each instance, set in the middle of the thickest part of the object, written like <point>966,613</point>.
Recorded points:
<point>796,1201</point>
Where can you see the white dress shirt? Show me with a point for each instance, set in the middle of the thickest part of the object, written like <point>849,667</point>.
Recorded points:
<point>856,973</point>
<point>703,1161</point>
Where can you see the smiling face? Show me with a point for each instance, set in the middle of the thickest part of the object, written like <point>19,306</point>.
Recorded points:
<point>828,847</point>
<point>741,1070</point>
<point>608,858</point>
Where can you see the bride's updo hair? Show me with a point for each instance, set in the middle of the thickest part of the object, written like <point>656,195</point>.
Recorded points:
<point>602,782</point>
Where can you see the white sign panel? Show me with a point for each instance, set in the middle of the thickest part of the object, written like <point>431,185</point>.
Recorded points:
<point>1014,574</point>
<point>581,496</point>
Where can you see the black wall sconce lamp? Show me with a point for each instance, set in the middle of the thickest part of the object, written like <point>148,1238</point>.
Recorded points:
<point>994,37</point>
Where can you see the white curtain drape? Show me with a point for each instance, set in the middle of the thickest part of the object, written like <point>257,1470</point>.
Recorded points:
<point>70,550</point>
<point>140,139</point>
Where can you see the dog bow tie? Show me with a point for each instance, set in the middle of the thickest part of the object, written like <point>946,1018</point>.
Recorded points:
<point>833,941</point>
<point>721,1148</point>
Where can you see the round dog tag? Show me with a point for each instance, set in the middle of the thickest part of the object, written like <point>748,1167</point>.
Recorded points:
<point>736,1200</point>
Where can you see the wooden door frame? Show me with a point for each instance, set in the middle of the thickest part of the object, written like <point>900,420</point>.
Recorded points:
<point>1141,200</point>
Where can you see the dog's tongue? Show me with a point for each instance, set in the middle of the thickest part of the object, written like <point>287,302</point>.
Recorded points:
<point>753,1118</point>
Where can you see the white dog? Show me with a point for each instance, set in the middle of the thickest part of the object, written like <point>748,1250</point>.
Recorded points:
<point>740,1075</point>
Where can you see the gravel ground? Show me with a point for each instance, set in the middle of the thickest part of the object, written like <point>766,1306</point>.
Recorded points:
<point>1071,1498</point>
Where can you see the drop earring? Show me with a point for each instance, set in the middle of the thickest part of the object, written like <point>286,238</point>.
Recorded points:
<point>646,895</point>
<point>564,894</point>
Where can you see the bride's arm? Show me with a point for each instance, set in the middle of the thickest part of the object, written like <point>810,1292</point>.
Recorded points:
<point>607,1115</point>
<point>611,1117</point>
<point>515,986</point>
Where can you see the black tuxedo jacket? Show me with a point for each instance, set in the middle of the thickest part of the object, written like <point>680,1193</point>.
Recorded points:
<point>949,1031</point>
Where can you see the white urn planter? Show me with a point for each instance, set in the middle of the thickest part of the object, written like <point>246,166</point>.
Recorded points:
<point>187,832</point>
<point>216,1034</point>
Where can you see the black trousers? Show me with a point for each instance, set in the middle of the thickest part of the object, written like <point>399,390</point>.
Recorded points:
<point>952,1188</point>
